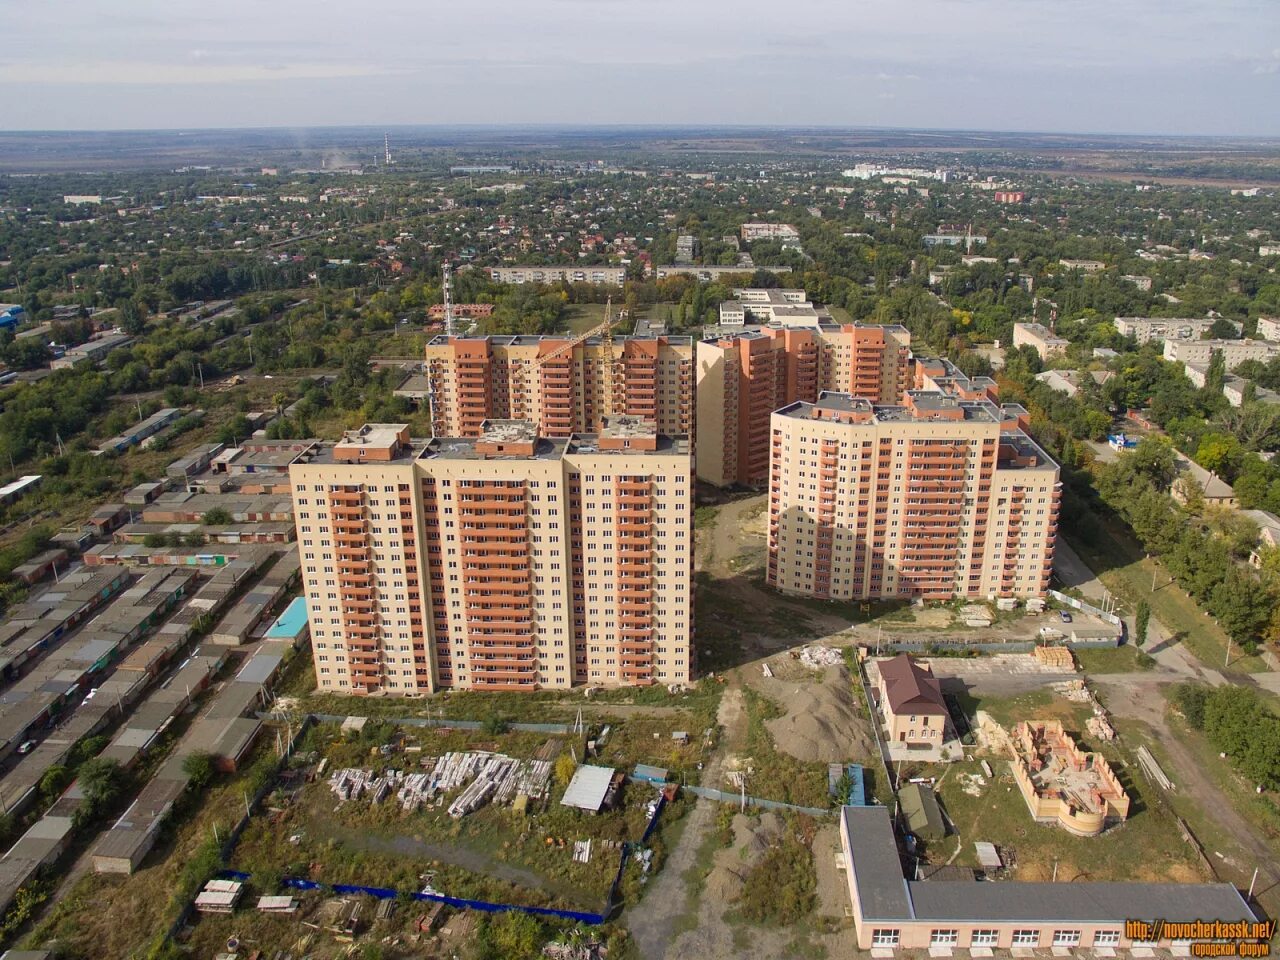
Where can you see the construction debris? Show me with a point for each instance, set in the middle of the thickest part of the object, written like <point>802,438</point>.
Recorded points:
<point>219,896</point>
<point>1100,727</point>
<point>817,656</point>
<point>1073,690</point>
<point>487,777</point>
<point>277,905</point>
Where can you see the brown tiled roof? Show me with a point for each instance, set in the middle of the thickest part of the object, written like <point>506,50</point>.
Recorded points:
<point>910,687</point>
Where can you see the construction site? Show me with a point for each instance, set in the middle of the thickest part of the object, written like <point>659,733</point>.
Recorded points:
<point>372,830</point>
<point>1063,784</point>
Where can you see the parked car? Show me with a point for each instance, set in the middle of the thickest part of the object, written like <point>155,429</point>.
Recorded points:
<point>1066,617</point>
<point>27,747</point>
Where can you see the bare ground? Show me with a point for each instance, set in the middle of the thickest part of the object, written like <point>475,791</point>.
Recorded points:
<point>822,722</point>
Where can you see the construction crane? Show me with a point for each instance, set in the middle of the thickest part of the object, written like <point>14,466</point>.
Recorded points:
<point>604,331</point>
<point>448,299</point>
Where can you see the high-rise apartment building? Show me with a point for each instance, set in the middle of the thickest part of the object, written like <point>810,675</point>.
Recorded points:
<point>743,377</point>
<point>504,561</point>
<point>936,498</point>
<point>559,385</point>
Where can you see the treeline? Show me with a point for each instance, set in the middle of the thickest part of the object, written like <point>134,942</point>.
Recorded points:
<point>1203,547</point>
<point>1237,723</point>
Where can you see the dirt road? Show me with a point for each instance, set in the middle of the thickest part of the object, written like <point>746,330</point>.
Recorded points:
<point>652,920</point>
<point>1138,697</point>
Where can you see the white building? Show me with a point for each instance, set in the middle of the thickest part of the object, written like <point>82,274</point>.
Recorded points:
<point>1145,329</point>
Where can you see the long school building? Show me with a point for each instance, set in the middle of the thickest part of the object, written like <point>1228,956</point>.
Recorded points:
<point>506,561</point>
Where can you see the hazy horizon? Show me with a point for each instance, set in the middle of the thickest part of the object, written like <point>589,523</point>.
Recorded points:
<point>1143,67</point>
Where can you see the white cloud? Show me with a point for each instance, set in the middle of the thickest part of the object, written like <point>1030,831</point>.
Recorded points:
<point>197,72</point>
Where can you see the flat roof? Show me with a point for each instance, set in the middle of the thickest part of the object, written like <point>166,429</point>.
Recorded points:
<point>291,621</point>
<point>885,895</point>
<point>876,866</point>
<point>587,789</point>
<point>1081,902</point>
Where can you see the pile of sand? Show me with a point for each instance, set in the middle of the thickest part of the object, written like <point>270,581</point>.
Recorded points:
<point>822,722</point>
<point>751,840</point>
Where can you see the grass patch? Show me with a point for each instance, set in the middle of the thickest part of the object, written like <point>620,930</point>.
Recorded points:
<point>704,518</point>
<point>1128,573</point>
<point>782,888</point>
<point>1122,659</point>
<point>1145,847</point>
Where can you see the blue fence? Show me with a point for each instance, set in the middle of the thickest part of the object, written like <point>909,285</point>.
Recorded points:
<point>388,893</point>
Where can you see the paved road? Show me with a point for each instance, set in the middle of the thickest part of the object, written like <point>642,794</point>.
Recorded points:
<point>652,920</point>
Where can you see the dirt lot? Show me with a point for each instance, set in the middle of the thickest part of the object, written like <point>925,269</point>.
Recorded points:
<point>716,931</point>
<point>823,720</point>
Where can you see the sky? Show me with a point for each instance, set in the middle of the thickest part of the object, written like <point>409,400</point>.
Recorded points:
<point>1082,66</point>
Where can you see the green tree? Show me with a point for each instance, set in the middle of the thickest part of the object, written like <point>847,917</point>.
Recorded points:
<point>199,767</point>
<point>1141,621</point>
<point>217,517</point>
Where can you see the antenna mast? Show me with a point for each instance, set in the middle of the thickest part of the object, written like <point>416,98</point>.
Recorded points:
<point>386,150</point>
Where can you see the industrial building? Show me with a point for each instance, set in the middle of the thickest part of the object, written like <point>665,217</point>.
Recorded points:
<point>937,498</point>
<point>507,561</point>
<point>743,378</point>
<point>93,351</point>
<point>141,431</point>
<point>563,385</point>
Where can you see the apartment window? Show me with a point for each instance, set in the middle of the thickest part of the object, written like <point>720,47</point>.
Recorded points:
<point>984,938</point>
<point>1106,938</point>
<point>944,938</point>
<point>1066,938</point>
<point>1025,938</point>
<point>884,938</point>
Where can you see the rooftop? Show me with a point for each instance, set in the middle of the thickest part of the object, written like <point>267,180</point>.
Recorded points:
<point>911,687</point>
<point>885,895</point>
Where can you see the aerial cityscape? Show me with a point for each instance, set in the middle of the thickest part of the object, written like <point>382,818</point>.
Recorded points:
<point>585,494</point>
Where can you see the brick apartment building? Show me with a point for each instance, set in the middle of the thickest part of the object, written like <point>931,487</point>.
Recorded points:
<point>561,388</point>
<point>743,377</point>
<point>936,498</point>
<point>504,561</point>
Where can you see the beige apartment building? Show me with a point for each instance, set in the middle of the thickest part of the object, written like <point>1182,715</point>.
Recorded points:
<point>562,386</point>
<point>1040,338</point>
<point>505,561</point>
<point>936,498</point>
<point>561,274</point>
<point>743,377</point>
<point>1234,352</point>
